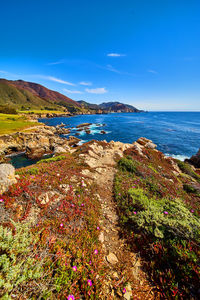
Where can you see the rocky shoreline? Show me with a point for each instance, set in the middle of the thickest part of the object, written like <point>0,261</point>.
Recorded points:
<point>37,141</point>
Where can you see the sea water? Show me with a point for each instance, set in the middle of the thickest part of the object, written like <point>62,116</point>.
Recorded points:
<point>176,133</point>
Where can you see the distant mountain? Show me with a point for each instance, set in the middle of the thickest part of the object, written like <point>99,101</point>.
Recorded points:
<point>110,107</point>
<point>88,105</point>
<point>118,107</point>
<point>23,95</point>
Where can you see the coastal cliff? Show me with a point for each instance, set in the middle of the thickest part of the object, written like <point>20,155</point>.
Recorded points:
<point>99,220</point>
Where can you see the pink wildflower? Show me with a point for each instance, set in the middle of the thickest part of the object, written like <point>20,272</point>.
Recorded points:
<point>61,225</point>
<point>165,212</point>
<point>82,204</point>
<point>74,268</point>
<point>70,297</point>
<point>135,212</point>
<point>89,282</point>
<point>98,227</point>
<point>124,291</point>
<point>95,251</point>
<point>192,211</point>
<point>1,200</point>
<point>90,262</point>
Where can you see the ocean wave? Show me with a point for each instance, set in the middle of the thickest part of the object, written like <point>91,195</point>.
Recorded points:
<point>177,156</point>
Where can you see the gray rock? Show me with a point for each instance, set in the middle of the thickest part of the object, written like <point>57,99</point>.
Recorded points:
<point>7,177</point>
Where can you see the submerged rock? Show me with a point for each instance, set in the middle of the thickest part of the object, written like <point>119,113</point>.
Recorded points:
<point>83,125</point>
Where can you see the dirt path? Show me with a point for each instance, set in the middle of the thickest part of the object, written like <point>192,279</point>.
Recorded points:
<point>121,262</point>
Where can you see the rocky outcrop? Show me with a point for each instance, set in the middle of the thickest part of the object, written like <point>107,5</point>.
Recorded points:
<point>146,143</point>
<point>7,177</point>
<point>195,160</point>
<point>36,142</point>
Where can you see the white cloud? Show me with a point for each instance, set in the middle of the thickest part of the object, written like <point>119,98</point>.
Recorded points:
<point>115,54</point>
<point>72,92</point>
<point>56,80</point>
<point>152,71</point>
<point>85,83</point>
<point>97,91</point>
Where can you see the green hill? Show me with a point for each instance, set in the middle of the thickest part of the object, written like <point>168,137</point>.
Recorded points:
<point>23,95</point>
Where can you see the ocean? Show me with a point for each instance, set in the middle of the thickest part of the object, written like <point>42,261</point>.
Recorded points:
<point>176,134</point>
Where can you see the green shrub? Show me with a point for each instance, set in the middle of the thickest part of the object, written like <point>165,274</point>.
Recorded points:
<point>163,217</point>
<point>32,171</point>
<point>52,159</point>
<point>7,110</point>
<point>153,169</point>
<point>127,164</point>
<point>17,263</point>
<point>187,169</point>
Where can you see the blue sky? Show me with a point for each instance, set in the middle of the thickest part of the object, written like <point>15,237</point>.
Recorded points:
<point>144,52</point>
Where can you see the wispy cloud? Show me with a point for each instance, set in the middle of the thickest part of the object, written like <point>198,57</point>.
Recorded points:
<point>59,62</point>
<point>72,92</point>
<point>85,83</point>
<point>97,91</point>
<point>152,71</point>
<point>51,78</point>
<point>3,72</point>
<point>112,69</point>
<point>115,54</point>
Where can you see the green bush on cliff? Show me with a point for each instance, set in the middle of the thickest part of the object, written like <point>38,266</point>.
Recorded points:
<point>17,263</point>
<point>187,169</point>
<point>127,164</point>
<point>163,218</point>
<point>52,159</point>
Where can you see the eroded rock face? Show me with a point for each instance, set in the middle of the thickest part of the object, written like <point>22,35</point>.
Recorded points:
<point>41,140</point>
<point>146,143</point>
<point>7,177</point>
<point>195,160</point>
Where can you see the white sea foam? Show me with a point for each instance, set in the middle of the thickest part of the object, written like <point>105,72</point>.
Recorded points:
<point>177,156</point>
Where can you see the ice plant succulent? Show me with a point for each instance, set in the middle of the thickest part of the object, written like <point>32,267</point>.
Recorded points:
<point>95,251</point>
<point>71,297</point>
<point>89,282</point>
<point>74,268</point>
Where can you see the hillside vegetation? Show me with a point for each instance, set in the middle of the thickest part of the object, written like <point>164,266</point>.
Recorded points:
<point>158,206</point>
<point>26,95</point>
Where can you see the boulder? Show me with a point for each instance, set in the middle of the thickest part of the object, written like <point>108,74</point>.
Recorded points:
<point>73,140</point>
<point>7,177</point>
<point>195,160</point>
<point>112,258</point>
<point>58,150</point>
<point>146,143</point>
